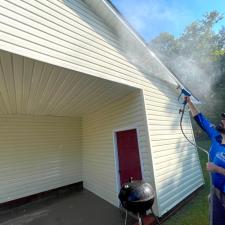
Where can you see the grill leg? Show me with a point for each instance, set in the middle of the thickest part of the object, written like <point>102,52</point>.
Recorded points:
<point>140,220</point>
<point>156,218</point>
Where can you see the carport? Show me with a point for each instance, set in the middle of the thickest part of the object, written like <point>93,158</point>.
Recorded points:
<point>58,128</point>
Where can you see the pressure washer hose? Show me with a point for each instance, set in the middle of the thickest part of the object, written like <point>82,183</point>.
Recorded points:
<point>181,127</point>
<point>207,153</point>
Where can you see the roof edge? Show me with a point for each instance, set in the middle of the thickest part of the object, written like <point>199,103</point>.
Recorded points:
<point>124,21</point>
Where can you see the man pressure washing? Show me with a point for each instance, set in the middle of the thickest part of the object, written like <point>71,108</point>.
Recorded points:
<point>217,162</point>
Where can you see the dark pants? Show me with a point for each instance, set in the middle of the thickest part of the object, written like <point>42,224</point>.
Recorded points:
<point>218,214</point>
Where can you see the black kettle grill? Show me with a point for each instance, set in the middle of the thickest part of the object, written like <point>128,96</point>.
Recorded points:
<point>137,197</point>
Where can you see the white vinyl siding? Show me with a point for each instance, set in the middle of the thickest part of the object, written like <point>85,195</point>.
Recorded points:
<point>176,165</point>
<point>38,154</point>
<point>99,159</point>
<point>65,34</point>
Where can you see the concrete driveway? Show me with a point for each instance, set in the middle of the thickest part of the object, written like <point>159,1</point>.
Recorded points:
<point>69,208</point>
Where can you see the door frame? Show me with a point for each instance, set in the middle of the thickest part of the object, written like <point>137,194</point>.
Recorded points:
<point>116,156</point>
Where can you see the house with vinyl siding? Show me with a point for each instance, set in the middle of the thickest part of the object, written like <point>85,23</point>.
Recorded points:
<point>83,99</point>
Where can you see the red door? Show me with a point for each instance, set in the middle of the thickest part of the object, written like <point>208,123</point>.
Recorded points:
<point>128,154</point>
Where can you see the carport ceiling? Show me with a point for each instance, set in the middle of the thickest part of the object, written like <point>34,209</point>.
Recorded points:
<point>34,88</point>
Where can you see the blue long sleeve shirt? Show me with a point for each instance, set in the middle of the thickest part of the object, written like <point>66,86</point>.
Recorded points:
<point>217,150</point>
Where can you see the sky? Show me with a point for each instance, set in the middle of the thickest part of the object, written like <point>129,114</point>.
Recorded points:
<point>151,17</point>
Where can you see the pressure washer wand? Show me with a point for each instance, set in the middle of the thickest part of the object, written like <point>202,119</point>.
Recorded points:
<point>187,94</point>
<point>181,127</point>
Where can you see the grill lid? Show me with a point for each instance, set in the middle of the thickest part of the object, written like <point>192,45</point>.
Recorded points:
<point>136,191</point>
<point>137,196</point>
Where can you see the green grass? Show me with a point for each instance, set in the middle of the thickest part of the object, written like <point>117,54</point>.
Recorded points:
<point>196,211</point>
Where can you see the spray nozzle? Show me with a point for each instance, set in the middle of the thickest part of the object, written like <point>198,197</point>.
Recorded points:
<point>183,92</point>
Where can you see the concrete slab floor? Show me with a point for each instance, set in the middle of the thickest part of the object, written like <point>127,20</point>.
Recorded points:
<point>75,208</point>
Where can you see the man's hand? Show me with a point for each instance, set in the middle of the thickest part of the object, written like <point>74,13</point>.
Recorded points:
<point>194,111</point>
<point>187,99</point>
<point>211,167</point>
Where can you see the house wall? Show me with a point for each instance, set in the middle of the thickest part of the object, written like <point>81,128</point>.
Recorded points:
<point>176,163</point>
<point>68,34</point>
<point>38,154</point>
<point>99,154</point>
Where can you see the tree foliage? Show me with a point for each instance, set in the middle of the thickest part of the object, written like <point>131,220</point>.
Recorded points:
<point>198,39</point>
